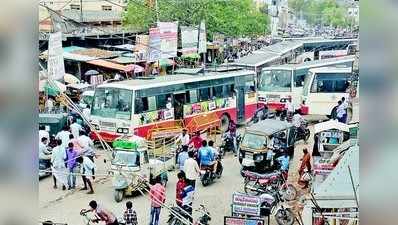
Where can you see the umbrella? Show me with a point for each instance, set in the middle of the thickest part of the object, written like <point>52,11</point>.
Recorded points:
<point>164,62</point>
<point>91,72</point>
<point>69,78</point>
<point>133,67</point>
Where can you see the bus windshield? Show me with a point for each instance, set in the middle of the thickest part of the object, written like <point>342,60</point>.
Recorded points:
<point>112,103</point>
<point>275,80</point>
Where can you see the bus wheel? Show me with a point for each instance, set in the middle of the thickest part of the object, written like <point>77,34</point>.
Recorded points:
<point>224,122</point>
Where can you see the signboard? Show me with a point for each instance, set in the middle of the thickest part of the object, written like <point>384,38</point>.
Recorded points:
<point>189,40</point>
<point>142,45</point>
<point>154,44</point>
<point>55,62</point>
<point>229,220</point>
<point>218,39</point>
<point>243,204</point>
<point>168,39</point>
<point>202,48</point>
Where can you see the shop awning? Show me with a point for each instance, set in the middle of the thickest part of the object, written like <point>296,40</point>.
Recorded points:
<point>164,63</point>
<point>106,64</point>
<point>133,67</point>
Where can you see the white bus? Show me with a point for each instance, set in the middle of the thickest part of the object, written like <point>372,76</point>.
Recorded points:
<point>324,87</point>
<point>140,105</point>
<point>279,83</point>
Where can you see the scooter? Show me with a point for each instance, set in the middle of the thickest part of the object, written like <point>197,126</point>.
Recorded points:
<point>202,220</point>
<point>302,135</point>
<point>207,176</point>
<point>273,203</point>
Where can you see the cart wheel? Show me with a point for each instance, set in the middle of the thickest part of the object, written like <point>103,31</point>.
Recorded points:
<point>118,195</point>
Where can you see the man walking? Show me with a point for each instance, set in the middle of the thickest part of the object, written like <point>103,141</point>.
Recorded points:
<point>58,156</point>
<point>158,197</point>
<point>86,169</point>
<point>191,169</point>
<point>70,160</point>
<point>130,216</point>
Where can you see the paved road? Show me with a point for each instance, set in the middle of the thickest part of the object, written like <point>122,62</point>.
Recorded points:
<point>64,206</point>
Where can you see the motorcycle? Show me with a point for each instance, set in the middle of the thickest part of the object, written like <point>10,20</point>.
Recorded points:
<point>202,220</point>
<point>274,204</point>
<point>207,176</point>
<point>257,184</point>
<point>300,135</point>
<point>227,144</point>
<point>93,219</point>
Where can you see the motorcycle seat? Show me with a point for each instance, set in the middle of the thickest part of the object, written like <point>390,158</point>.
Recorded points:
<point>205,167</point>
<point>260,175</point>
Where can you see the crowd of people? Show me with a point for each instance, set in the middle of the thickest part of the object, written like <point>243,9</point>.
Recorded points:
<point>70,152</point>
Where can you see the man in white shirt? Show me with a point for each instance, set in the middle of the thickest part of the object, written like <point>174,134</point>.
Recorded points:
<point>87,170</point>
<point>44,154</point>
<point>340,111</point>
<point>49,104</point>
<point>183,139</point>
<point>289,107</point>
<point>87,112</point>
<point>297,119</point>
<point>58,156</point>
<point>75,128</point>
<point>86,143</point>
<point>191,169</point>
<point>344,104</point>
<point>169,105</point>
<point>43,133</point>
<point>63,135</point>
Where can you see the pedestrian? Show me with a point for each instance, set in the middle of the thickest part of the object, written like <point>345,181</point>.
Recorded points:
<point>183,139</point>
<point>75,128</point>
<point>316,155</point>
<point>43,133</point>
<point>58,155</point>
<point>187,199</point>
<point>63,135</point>
<point>232,132</point>
<point>49,104</point>
<point>181,183</point>
<point>289,108</point>
<point>70,160</point>
<point>182,157</point>
<point>191,169</point>
<point>157,195</point>
<point>76,145</point>
<point>44,154</point>
<point>340,111</point>
<point>87,146</point>
<point>101,214</point>
<point>344,105</point>
<point>305,166</point>
<point>284,163</point>
<point>87,112</point>
<point>130,216</point>
<point>86,169</point>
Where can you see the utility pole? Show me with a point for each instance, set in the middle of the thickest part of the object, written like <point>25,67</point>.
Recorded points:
<point>81,11</point>
<point>157,10</point>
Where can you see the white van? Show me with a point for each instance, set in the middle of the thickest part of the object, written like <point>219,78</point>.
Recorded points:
<point>323,88</point>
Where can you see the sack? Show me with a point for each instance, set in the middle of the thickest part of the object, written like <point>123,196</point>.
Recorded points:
<point>306,176</point>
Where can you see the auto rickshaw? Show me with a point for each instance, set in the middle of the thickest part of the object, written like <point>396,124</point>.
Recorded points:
<point>264,141</point>
<point>132,168</point>
<point>53,122</point>
<point>74,91</point>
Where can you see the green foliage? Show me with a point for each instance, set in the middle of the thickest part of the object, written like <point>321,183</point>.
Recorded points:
<point>326,12</point>
<point>231,17</point>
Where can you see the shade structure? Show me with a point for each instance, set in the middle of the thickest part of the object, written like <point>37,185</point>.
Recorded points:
<point>134,67</point>
<point>53,89</point>
<point>91,72</point>
<point>69,78</point>
<point>164,63</point>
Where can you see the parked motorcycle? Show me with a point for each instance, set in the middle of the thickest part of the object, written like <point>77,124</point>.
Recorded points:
<point>257,184</point>
<point>202,220</point>
<point>207,176</point>
<point>300,135</point>
<point>274,204</point>
<point>227,144</point>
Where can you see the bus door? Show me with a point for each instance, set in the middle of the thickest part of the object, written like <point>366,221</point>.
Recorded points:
<point>179,101</point>
<point>240,104</point>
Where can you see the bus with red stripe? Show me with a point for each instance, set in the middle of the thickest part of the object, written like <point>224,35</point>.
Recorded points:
<point>136,106</point>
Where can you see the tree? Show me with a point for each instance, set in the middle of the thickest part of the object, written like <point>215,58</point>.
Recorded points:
<point>230,17</point>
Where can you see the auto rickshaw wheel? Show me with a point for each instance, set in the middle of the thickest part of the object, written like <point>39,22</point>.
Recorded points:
<point>118,195</point>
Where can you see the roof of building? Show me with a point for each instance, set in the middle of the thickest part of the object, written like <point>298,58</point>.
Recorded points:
<point>93,15</point>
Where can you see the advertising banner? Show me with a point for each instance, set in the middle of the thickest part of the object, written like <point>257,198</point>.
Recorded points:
<point>168,39</point>
<point>55,61</point>
<point>229,220</point>
<point>189,40</point>
<point>142,45</point>
<point>154,44</point>
<point>243,204</point>
<point>202,38</point>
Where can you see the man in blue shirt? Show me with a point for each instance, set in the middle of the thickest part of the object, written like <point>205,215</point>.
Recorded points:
<point>181,158</point>
<point>206,156</point>
<point>284,162</point>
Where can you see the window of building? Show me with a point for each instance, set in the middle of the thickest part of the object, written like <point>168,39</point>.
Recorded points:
<point>74,7</point>
<point>107,8</point>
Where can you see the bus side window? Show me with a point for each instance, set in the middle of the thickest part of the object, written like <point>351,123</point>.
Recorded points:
<point>204,94</point>
<point>192,96</point>
<point>141,104</point>
<point>299,80</point>
<point>218,91</point>
<point>249,87</point>
<point>231,90</point>
<point>161,101</point>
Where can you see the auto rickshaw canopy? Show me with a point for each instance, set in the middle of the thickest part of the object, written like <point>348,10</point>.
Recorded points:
<point>331,124</point>
<point>269,126</point>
